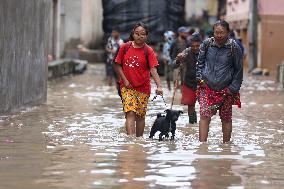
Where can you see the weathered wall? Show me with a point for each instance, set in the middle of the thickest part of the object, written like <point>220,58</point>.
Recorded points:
<point>70,24</point>
<point>92,18</point>
<point>196,7</point>
<point>270,42</point>
<point>270,29</point>
<point>237,10</point>
<point>23,53</point>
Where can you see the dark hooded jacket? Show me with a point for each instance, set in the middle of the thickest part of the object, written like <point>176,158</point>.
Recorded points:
<point>220,67</point>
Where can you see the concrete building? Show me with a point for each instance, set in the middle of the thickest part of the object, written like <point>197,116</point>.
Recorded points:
<point>80,22</point>
<point>75,22</point>
<point>269,30</point>
<point>91,23</point>
<point>23,53</point>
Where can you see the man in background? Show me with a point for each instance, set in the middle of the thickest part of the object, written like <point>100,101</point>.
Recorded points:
<point>113,43</point>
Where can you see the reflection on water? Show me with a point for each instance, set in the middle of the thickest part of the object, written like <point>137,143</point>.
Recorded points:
<point>77,140</point>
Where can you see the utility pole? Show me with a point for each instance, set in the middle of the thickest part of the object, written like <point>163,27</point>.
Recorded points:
<point>253,22</point>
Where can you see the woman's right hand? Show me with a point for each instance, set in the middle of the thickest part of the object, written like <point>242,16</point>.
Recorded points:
<point>159,90</point>
<point>127,84</point>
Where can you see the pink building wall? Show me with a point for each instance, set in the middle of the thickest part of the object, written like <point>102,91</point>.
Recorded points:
<point>239,9</point>
<point>270,29</point>
<point>271,7</point>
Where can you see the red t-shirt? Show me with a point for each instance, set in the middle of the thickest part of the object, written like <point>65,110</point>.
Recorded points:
<point>135,67</point>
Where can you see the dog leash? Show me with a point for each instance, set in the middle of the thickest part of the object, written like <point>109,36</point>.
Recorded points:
<point>162,98</point>
<point>175,89</point>
<point>175,83</point>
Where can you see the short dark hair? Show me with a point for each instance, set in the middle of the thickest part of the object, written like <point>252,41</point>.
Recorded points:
<point>143,25</point>
<point>138,24</point>
<point>222,23</point>
<point>115,29</point>
<point>191,31</point>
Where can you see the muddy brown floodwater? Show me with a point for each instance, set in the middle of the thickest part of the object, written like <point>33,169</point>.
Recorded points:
<point>77,140</point>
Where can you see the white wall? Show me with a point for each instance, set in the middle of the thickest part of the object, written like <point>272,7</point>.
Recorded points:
<point>70,18</point>
<point>237,10</point>
<point>194,7</point>
<point>92,18</point>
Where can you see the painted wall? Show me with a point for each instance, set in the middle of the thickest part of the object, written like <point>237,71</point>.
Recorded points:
<point>70,22</point>
<point>75,22</point>
<point>270,41</point>
<point>270,28</point>
<point>91,20</point>
<point>196,7</point>
<point>275,7</point>
<point>237,10</point>
<point>23,53</point>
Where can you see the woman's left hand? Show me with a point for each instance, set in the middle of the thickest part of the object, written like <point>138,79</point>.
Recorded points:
<point>159,90</point>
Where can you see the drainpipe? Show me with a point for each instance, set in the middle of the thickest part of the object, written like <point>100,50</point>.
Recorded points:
<point>253,21</point>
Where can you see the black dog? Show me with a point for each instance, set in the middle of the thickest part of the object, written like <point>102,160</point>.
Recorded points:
<point>165,124</point>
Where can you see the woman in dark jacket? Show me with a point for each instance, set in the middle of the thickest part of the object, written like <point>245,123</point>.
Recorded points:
<point>219,74</point>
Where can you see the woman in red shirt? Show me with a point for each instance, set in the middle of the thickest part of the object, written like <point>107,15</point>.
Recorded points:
<point>134,68</point>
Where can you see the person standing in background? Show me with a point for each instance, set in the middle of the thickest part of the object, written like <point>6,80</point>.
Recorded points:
<point>169,37</point>
<point>112,46</point>
<point>177,47</point>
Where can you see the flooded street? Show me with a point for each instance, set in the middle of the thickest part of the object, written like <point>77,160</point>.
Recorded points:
<point>77,140</point>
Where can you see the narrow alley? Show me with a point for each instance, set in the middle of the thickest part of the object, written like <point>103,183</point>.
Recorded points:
<point>77,140</point>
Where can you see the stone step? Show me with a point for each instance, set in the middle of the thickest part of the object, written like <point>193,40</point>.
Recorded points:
<point>61,67</point>
<point>93,56</point>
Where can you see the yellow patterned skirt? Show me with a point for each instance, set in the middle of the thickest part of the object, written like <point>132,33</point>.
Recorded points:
<point>134,101</point>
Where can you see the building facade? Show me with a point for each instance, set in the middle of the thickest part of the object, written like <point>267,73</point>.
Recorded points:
<point>269,27</point>
<point>195,8</point>
<point>75,22</point>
